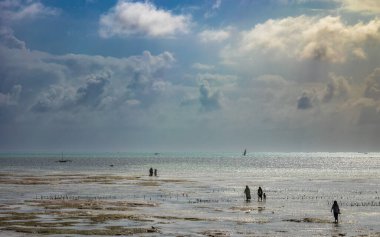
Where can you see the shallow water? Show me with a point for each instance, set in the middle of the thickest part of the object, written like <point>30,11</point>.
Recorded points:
<point>201,194</point>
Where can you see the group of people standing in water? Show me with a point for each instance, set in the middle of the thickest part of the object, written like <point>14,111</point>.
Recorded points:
<point>261,195</point>
<point>151,172</point>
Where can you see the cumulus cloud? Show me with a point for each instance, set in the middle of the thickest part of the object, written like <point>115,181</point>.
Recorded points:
<point>208,36</point>
<point>58,97</point>
<point>91,93</point>
<point>75,82</point>
<point>368,104</point>
<point>337,87</point>
<point>364,6</point>
<point>209,100</point>
<point>141,19</point>
<point>336,90</point>
<point>20,10</point>
<point>54,98</point>
<point>317,38</point>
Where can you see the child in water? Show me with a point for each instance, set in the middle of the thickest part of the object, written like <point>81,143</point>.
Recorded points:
<point>335,209</point>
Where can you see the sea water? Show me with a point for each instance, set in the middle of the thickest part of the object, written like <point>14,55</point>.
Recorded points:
<point>209,197</point>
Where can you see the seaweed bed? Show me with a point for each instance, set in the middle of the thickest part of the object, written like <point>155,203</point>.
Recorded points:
<point>309,220</point>
<point>62,214</point>
<point>70,213</point>
<point>109,230</point>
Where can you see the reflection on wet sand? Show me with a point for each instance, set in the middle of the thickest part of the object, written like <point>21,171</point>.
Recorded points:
<point>107,204</point>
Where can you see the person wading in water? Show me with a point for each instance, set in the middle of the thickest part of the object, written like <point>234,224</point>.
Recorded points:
<point>247,193</point>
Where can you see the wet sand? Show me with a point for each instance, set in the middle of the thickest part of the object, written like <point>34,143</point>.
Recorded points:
<point>110,205</point>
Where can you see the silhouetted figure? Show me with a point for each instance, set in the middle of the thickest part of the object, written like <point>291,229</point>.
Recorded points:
<point>151,171</point>
<point>259,194</point>
<point>155,172</point>
<point>335,209</point>
<point>247,192</point>
<point>264,196</point>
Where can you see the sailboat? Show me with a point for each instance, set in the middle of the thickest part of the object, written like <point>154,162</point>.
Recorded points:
<point>62,160</point>
<point>245,152</point>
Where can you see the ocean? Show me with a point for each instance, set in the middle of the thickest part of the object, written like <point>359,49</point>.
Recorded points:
<point>194,194</point>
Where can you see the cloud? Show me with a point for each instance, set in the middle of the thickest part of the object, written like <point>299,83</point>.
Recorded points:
<point>208,36</point>
<point>91,93</point>
<point>60,98</point>
<point>19,10</point>
<point>368,104</point>
<point>7,38</point>
<point>336,91</point>
<point>10,98</point>
<point>369,112</point>
<point>363,6</point>
<point>304,102</point>
<point>202,67</point>
<point>337,87</point>
<point>214,8</point>
<point>217,4</point>
<point>55,98</point>
<point>216,77</point>
<point>372,89</point>
<point>209,101</point>
<point>271,81</point>
<point>307,38</point>
<point>141,19</point>
<point>75,82</point>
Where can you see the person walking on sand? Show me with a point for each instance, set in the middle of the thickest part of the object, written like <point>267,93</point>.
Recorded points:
<point>335,209</point>
<point>247,192</point>
<point>155,172</point>
<point>151,171</point>
<point>259,194</point>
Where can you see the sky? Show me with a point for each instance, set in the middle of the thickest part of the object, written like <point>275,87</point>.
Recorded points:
<point>166,75</point>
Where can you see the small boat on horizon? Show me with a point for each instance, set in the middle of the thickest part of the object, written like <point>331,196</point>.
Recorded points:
<point>63,160</point>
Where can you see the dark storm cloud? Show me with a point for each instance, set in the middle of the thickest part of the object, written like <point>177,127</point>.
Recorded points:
<point>304,102</point>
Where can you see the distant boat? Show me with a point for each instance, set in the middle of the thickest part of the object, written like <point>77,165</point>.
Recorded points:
<point>156,153</point>
<point>245,152</point>
<point>63,160</point>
